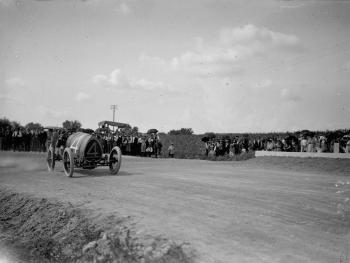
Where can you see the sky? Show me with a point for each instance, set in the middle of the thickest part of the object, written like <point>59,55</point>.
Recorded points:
<point>210,65</point>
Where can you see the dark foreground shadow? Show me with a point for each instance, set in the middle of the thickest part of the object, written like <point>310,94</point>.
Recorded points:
<point>79,173</point>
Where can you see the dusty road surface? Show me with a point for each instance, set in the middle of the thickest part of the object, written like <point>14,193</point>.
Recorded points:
<point>261,210</point>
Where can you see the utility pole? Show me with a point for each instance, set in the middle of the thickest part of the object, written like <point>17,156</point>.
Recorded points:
<point>114,107</point>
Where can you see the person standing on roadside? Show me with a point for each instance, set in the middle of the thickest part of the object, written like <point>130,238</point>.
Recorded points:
<point>27,137</point>
<point>51,142</point>
<point>143,146</point>
<point>171,150</point>
<point>48,139</point>
<point>2,136</point>
<point>303,144</point>
<point>347,148</point>
<point>52,138</point>
<point>42,136</point>
<point>8,139</point>
<point>206,148</point>
<point>309,144</point>
<point>17,139</point>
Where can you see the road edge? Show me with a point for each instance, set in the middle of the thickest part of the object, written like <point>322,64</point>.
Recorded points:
<point>53,231</point>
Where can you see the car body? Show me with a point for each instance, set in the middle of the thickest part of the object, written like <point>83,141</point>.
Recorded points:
<point>88,151</point>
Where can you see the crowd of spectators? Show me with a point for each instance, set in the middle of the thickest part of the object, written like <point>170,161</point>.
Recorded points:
<point>303,143</point>
<point>150,145</point>
<point>136,144</point>
<point>21,139</point>
<point>221,147</point>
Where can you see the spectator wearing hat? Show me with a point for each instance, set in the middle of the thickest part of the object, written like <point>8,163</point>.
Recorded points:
<point>17,139</point>
<point>212,149</point>
<point>323,143</point>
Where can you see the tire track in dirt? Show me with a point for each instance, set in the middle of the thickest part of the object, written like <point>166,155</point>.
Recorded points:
<point>261,210</point>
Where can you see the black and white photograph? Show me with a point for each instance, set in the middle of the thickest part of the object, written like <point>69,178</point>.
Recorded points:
<point>189,131</point>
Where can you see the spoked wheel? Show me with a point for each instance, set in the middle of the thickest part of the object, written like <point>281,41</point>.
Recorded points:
<point>50,160</point>
<point>115,160</point>
<point>68,162</point>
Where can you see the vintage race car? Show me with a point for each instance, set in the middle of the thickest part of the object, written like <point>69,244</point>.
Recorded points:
<point>86,151</point>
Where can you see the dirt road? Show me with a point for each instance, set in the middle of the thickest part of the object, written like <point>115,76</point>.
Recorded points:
<point>253,211</point>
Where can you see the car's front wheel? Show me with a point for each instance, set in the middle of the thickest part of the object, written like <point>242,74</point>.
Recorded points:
<point>115,160</point>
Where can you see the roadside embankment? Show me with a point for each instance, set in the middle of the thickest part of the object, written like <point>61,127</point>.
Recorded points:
<point>58,232</point>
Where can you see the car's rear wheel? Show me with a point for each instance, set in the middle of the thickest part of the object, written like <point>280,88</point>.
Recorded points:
<point>115,160</point>
<point>68,162</point>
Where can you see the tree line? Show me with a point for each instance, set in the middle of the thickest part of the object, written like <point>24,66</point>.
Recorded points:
<point>6,123</point>
<point>74,125</point>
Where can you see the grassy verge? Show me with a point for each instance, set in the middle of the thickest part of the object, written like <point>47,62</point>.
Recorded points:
<point>192,147</point>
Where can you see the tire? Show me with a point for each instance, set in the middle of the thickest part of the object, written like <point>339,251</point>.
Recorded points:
<point>115,160</point>
<point>50,160</point>
<point>68,162</point>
